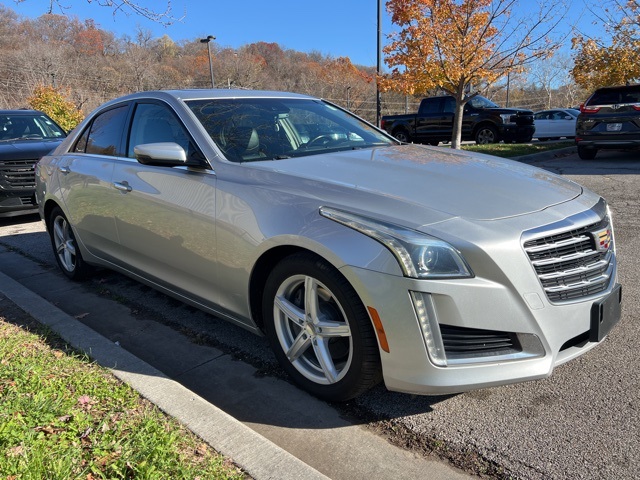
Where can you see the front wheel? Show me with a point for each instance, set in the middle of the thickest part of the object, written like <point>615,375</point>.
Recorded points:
<point>65,247</point>
<point>486,134</point>
<point>319,330</point>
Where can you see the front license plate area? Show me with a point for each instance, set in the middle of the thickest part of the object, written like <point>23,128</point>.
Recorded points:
<point>605,314</point>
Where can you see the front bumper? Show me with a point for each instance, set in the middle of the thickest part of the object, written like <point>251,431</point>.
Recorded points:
<point>512,132</point>
<point>550,334</point>
<point>13,204</point>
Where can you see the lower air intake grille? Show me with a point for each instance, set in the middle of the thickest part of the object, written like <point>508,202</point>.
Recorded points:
<point>470,342</point>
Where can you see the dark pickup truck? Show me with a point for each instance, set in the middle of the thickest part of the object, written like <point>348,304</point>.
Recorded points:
<point>483,121</point>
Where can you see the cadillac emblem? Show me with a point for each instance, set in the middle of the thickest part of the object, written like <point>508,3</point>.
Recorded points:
<point>603,239</point>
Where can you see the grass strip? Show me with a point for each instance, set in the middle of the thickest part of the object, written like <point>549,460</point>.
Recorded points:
<point>65,417</point>
<point>509,150</point>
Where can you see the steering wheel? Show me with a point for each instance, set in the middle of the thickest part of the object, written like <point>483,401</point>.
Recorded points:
<point>324,139</point>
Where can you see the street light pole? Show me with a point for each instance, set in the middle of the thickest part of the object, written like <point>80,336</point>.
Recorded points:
<point>208,42</point>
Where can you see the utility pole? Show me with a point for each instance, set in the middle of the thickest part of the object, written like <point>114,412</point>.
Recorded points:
<point>208,42</point>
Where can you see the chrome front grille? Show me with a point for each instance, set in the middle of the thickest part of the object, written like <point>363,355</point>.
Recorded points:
<point>571,264</point>
<point>18,173</point>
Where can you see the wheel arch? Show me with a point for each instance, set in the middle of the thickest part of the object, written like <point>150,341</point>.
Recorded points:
<point>486,123</point>
<point>48,207</point>
<point>336,250</point>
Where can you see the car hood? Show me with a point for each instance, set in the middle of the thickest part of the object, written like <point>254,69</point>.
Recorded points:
<point>412,178</point>
<point>27,149</point>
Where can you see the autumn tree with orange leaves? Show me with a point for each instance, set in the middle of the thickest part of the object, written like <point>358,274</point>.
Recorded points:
<point>599,63</point>
<point>460,46</point>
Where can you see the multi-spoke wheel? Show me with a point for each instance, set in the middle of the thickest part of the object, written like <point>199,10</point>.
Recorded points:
<point>65,247</point>
<point>319,329</point>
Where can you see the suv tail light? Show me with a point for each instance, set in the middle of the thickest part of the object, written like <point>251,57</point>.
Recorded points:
<point>585,109</point>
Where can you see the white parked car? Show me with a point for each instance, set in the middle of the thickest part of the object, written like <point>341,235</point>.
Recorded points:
<point>556,123</point>
<point>360,258</point>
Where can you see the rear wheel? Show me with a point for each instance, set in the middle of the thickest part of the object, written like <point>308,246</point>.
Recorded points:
<point>587,153</point>
<point>319,330</point>
<point>65,247</point>
<point>402,135</point>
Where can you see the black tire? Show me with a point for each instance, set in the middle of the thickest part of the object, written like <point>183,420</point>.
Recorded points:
<point>402,135</point>
<point>334,356</point>
<point>486,134</point>
<point>587,153</point>
<point>65,247</point>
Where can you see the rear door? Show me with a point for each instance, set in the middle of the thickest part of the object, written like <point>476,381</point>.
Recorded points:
<point>85,181</point>
<point>429,119</point>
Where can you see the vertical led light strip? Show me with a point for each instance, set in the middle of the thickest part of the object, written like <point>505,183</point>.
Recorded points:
<point>426,313</point>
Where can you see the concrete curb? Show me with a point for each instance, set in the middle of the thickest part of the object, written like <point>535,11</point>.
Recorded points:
<point>256,455</point>
<point>539,157</point>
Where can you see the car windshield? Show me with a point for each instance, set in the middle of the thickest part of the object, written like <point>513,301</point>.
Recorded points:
<point>252,129</point>
<point>481,102</point>
<point>23,126</point>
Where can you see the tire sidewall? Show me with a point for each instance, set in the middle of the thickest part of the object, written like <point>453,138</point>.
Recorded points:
<point>356,316</point>
<point>80,269</point>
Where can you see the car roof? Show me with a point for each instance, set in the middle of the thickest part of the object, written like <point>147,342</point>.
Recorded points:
<point>21,112</point>
<point>619,87</point>
<point>197,94</point>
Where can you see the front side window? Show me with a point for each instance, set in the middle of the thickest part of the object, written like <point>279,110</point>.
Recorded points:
<point>104,135</point>
<point>154,123</point>
<point>254,129</point>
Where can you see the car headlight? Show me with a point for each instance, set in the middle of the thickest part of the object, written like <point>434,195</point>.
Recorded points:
<point>419,255</point>
<point>507,117</point>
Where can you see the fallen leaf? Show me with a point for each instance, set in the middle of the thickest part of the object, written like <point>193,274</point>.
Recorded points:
<point>81,316</point>
<point>49,430</point>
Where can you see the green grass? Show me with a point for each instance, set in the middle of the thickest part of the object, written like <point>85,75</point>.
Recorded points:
<point>509,150</point>
<point>64,417</point>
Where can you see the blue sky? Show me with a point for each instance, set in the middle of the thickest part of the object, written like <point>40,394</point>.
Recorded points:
<point>331,27</point>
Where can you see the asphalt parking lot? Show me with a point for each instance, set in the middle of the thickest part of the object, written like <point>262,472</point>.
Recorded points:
<point>583,422</point>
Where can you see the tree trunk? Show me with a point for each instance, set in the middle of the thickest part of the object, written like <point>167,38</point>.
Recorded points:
<point>456,134</point>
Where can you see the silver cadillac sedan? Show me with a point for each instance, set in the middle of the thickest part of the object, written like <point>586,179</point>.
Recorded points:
<point>360,258</point>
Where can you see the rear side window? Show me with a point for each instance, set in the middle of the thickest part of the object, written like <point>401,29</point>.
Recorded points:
<point>430,107</point>
<point>104,135</point>
<point>615,96</point>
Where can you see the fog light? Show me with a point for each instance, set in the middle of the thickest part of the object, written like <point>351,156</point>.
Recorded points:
<point>426,313</point>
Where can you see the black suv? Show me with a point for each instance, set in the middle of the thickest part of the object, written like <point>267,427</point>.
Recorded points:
<point>610,118</point>
<point>25,136</point>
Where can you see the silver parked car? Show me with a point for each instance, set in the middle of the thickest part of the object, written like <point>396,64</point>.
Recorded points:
<point>359,258</point>
<point>556,123</point>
